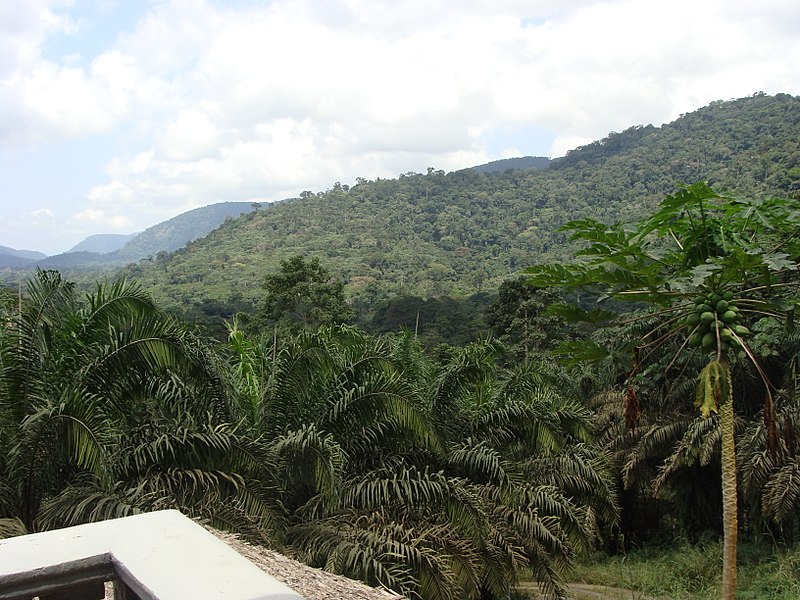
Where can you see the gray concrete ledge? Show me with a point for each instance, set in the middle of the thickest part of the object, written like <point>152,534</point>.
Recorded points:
<point>159,556</point>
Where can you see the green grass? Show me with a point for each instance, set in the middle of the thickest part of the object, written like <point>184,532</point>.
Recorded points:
<point>694,571</point>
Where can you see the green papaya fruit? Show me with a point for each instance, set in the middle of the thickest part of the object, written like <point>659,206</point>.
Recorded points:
<point>709,340</point>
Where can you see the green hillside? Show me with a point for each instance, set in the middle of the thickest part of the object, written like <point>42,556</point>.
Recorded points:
<point>92,259</point>
<point>103,243</point>
<point>176,232</point>
<point>17,259</point>
<point>459,233</point>
<point>505,164</point>
<point>73,261</point>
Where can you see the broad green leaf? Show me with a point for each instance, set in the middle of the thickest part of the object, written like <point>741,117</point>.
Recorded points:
<point>574,313</point>
<point>779,261</point>
<point>701,273</point>
<point>582,351</point>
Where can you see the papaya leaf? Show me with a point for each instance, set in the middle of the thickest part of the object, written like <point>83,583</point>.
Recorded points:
<point>574,313</point>
<point>713,387</point>
<point>778,261</point>
<point>555,275</point>
<point>582,351</point>
<point>701,273</point>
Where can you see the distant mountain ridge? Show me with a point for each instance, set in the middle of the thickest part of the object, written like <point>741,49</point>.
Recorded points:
<point>11,258</point>
<point>462,233</point>
<point>175,233</point>
<point>31,254</point>
<point>456,234</point>
<point>167,236</point>
<point>523,162</point>
<point>103,243</point>
<point>70,261</point>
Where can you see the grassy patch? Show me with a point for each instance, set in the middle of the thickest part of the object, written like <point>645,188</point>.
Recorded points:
<point>694,571</point>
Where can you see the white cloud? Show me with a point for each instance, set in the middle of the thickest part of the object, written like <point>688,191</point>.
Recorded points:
<point>112,194</point>
<point>98,220</point>
<point>141,162</point>
<point>191,135</point>
<point>289,102</point>
<point>227,101</point>
<point>42,213</point>
<point>172,35</point>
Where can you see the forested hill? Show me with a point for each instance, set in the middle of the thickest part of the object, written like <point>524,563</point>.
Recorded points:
<point>506,164</point>
<point>17,259</point>
<point>462,232</point>
<point>100,254</point>
<point>177,231</point>
<point>103,243</point>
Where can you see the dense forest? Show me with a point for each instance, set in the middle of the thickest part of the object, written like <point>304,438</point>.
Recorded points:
<point>441,243</point>
<point>455,235</point>
<point>635,386</point>
<point>100,254</point>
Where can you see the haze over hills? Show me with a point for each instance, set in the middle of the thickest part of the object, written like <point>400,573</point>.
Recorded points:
<point>505,164</point>
<point>17,259</point>
<point>94,253</point>
<point>103,243</point>
<point>462,233</point>
<point>176,232</point>
<point>454,234</point>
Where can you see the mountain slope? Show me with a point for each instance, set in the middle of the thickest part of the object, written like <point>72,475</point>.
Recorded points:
<point>176,232</point>
<point>463,232</point>
<point>17,259</point>
<point>78,261</point>
<point>505,164</point>
<point>103,243</point>
<point>26,254</point>
<point>161,238</point>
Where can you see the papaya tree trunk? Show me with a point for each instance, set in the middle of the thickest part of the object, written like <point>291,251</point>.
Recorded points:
<point>729,506</point>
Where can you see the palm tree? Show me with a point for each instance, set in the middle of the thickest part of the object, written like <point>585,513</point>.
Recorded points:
<point>108,407</point>
<point>339,417</point>
<point>521,438</point>
<point>430,480</point>
<point>731,256</point>
<point>770,481</point>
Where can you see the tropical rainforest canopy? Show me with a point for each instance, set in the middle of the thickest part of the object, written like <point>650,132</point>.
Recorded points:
<point>369,378</point>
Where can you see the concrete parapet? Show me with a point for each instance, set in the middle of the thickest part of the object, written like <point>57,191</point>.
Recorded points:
<point>158,556</point>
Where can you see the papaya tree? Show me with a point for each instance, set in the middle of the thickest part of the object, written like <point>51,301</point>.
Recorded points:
<point>706,265</point>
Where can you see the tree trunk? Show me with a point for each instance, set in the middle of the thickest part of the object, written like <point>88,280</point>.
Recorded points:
<point>729,507</point>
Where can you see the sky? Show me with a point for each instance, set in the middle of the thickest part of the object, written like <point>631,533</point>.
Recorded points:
<point>116,115</point>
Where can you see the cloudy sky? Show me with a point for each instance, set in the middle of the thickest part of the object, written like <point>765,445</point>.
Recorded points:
<point>118,114</point>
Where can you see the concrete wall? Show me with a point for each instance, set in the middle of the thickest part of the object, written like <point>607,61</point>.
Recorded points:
<point>159,556</point>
